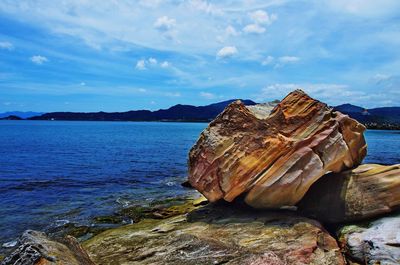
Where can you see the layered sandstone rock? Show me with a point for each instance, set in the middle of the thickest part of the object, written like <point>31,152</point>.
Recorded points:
<point>218,234</point>
<point>273,159</point>
<point>364,192</point>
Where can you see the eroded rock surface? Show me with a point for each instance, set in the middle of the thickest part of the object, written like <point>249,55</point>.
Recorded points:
<point>375,243</point>
<point>37,249</point>
<point>273,159</point>
<point>364,192</point>
<point>218,234</point>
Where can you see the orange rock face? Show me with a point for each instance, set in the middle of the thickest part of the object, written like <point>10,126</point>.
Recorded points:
<point>272,160</point>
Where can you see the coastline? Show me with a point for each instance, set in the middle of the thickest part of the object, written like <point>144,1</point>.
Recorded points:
<point>369,127</point>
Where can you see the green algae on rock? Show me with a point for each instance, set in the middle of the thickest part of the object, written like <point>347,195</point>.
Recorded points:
<point>218,234</point>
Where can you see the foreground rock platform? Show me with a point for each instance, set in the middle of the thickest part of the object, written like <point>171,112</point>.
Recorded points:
<point>218,234</point>
<point>364,192</point>
<point>272,159</point>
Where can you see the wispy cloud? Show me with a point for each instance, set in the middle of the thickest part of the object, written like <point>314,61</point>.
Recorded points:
<point>144,64</point>
<point>262,17</point>
<point>207,95</point>
<point>5,45</point>
<point>288,59</point>
<point>254,28</point>
<point>141,65</point>
<point>38,59</point>
<point>166,25</point>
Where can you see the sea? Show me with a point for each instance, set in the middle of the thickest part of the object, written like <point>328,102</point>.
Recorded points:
<point>55,172</point>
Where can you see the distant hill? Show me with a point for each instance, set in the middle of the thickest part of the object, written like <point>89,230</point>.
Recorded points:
<point>21,114</point>
<point>175,113</point>
<point>377,118</point>
<point>11,117</point>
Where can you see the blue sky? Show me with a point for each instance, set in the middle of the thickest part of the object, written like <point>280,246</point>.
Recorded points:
<point>89,55</point>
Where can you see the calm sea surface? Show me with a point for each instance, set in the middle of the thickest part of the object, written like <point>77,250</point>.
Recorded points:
<point>52,172</point>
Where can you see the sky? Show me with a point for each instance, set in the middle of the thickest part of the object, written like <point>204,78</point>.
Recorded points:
<point>90,55</point>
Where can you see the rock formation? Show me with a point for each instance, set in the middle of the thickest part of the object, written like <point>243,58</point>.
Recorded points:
<point>364,192</point>
<point>218,234</point>
<point>37,249</point>
<point>375,243</point>
<point>272,160</point>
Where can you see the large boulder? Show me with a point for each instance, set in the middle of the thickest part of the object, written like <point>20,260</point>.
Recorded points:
<point>35,248</point>
<point>218,234</point>
<point>376,242</point>
<point>273,159</point>
<point>364,192</point>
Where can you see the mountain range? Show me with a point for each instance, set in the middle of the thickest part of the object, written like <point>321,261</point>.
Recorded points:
<point>376,118</point>
<point>185,113</point>
<point>20,114</point>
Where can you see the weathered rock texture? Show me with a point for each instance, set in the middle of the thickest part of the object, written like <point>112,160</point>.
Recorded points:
<point>274,159</point>
<point>37,249</point>
<point>218,234</point>
<point>364,192</point>
<point>375,243</point>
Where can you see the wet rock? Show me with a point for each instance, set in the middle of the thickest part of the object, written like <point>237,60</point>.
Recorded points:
<point>364,192</point>
<point>186,184</point>
<point>162,209</point>
<point>377,242</point>
<point>273,159</point>
<point>36,248</point>
<point>218,234</point>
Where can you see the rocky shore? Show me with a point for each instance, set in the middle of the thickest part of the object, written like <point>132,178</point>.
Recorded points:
<point>281,185</point>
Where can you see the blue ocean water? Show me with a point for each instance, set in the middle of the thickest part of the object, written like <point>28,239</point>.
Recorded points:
<point>53,171</point>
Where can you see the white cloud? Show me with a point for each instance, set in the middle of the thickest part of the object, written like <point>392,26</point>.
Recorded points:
<point>141,65</point>
<point>231,31</point>
<point>254,28</point>
<point>83,84</point>
<point>142,90</point>
<point>378,78</point>
<point>166,26</point>
<point>227,51</point>
<point>165,64</point>
<point>206,7</point>
<point>288,59</point>
<point>322,91</point>
<point>366,8</point>
<point>259,18</point>
<point>5,45</point>
<point>268,60</point>
<point>262,17</point>
<point>207,95</point>
<point>173,94</point>
<point>152,61</point>
<point>150,3</point>
<point>38,59</point>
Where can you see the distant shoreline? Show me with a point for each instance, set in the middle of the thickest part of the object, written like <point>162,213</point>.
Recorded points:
<point>181,121</point>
